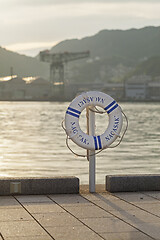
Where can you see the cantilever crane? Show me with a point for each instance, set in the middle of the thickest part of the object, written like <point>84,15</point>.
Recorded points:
<point>57,61</point>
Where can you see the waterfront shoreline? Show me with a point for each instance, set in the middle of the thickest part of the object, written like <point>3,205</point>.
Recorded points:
<point>69,100</point>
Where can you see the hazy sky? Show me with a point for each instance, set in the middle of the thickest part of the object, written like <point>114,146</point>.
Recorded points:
<point>28,26</point>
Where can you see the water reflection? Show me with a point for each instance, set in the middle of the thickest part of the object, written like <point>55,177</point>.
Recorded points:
<point>32,142</point>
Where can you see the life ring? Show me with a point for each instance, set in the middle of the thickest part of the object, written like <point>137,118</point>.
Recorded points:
<point>93,98</point>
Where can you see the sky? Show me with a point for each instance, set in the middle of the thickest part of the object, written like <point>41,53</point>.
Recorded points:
<point>29,26</point>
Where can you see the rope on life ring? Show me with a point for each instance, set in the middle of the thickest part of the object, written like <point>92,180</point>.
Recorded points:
<point>103,141</point>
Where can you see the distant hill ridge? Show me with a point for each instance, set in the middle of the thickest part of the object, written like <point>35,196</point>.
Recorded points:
<point>133,43</point>
<point>22,65</point>
<point>113,47</point>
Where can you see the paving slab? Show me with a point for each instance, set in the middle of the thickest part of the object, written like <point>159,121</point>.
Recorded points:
<point>21,228</point>
<point>57,219</point>
<point>14,214</point>
<point>69,199</point>
<point>8,202</point>
<point>108,225</point>
<point>152,229</point>
<point>151,208</point>
<point>118,205</point>
<point>87,211</point>
<point>126,236</point>
<point>153,194</point>
<point>136,197</point>
<point>44,237</point>
<point>33,199</point>
<point>136,216</point>
<point>43,207</point>
<point>94,197</point>
<point>73,233</point>
<point>101,215</point>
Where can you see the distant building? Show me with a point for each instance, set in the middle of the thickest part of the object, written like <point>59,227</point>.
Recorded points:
<point>13,89</point>
<point>136,87</point>
<point>18,89</point>
<point>116,90</point>
<point>154,90</point>
<point>73,89</point>
<point>39,89</point>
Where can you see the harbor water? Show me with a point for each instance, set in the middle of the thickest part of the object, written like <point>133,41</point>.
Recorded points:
<point>33,143</point>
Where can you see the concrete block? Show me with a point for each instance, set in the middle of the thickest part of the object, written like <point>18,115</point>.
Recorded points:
<point>132,183</point>
<point>25,186</point>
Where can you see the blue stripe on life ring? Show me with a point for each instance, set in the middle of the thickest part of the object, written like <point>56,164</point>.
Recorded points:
<point>74,110</point>
<point>72,114</point>
<point>114,107</point>
<point>95,142</point>
<point>110,105</point>
<point>99,142</point>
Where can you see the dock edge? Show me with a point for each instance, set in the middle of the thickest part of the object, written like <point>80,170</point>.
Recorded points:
<point>29,186</point>
<point>132,183</point>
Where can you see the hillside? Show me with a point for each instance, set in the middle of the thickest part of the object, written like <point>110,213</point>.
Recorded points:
<point>114,54</point>
<point>133,44</point>
<point>22,65</point>
<point>149,67</point>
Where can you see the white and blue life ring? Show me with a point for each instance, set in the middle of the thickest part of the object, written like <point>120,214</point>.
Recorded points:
<point>93,98</point>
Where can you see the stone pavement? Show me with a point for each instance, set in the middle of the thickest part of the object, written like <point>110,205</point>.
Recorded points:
<point>81,216</point>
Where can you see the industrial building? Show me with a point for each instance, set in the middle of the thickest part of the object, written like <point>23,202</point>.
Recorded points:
<point>142,88</point>
<point>137,88</point>
<point>15,88</point>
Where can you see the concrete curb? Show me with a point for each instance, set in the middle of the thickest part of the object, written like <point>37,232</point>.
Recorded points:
<point>24,186</point>
<point>132,183</point>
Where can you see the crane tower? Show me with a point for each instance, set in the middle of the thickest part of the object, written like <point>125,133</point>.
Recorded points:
<point>57,61</point>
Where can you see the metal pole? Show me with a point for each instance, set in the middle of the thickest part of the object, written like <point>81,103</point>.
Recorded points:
<point>90,153</point>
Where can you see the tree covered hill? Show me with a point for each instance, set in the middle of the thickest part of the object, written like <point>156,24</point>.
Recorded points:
<point>21,65</point>
<point>114,53</point>
<point>149,67</point>
<point>133,44</point>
